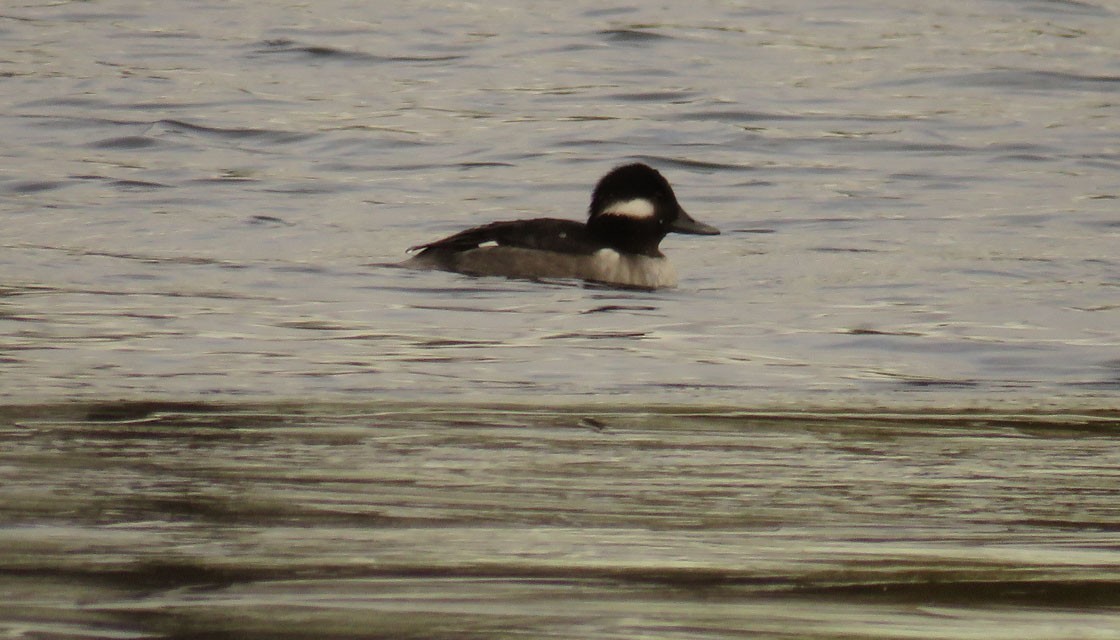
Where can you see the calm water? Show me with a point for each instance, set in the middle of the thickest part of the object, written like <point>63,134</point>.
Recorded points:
<point>884,403</point>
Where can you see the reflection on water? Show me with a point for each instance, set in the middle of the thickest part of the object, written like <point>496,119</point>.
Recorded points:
<point>142,520</point>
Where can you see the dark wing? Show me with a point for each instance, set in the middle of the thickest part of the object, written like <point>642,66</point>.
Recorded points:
<point>545,234</point>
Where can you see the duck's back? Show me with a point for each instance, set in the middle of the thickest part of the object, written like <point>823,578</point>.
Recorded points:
<point>544,248</point>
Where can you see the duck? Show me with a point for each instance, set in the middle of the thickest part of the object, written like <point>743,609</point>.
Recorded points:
<point>632,209</point>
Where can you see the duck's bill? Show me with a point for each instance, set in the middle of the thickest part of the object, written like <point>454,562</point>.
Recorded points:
<point>685,224</point>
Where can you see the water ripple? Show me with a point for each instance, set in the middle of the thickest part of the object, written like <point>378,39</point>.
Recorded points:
<point>328,53</point>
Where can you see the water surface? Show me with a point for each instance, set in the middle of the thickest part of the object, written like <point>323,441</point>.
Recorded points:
<point>918,205</point>
<point>883,404</point>
<point>195,521</point>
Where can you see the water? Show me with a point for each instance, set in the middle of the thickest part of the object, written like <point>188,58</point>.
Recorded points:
<point>919,208</point>
<point>147,520</point>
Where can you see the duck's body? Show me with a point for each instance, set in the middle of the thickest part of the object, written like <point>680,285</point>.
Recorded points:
<point>632,209</point>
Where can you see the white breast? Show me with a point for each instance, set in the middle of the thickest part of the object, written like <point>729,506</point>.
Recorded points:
<point>633,270</point>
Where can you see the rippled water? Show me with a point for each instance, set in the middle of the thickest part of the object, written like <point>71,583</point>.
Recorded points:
<point>919,207</point>
<point>147,520</point>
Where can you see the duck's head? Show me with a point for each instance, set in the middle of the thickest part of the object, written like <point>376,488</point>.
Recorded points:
<point>633,208</point>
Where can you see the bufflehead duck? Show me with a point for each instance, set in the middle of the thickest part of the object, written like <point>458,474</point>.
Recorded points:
<point>632,209</point>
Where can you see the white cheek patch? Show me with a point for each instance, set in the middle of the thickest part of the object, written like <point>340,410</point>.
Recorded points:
<point>638,208</point>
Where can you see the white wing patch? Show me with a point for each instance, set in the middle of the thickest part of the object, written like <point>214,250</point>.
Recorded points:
<point>639,208</point>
